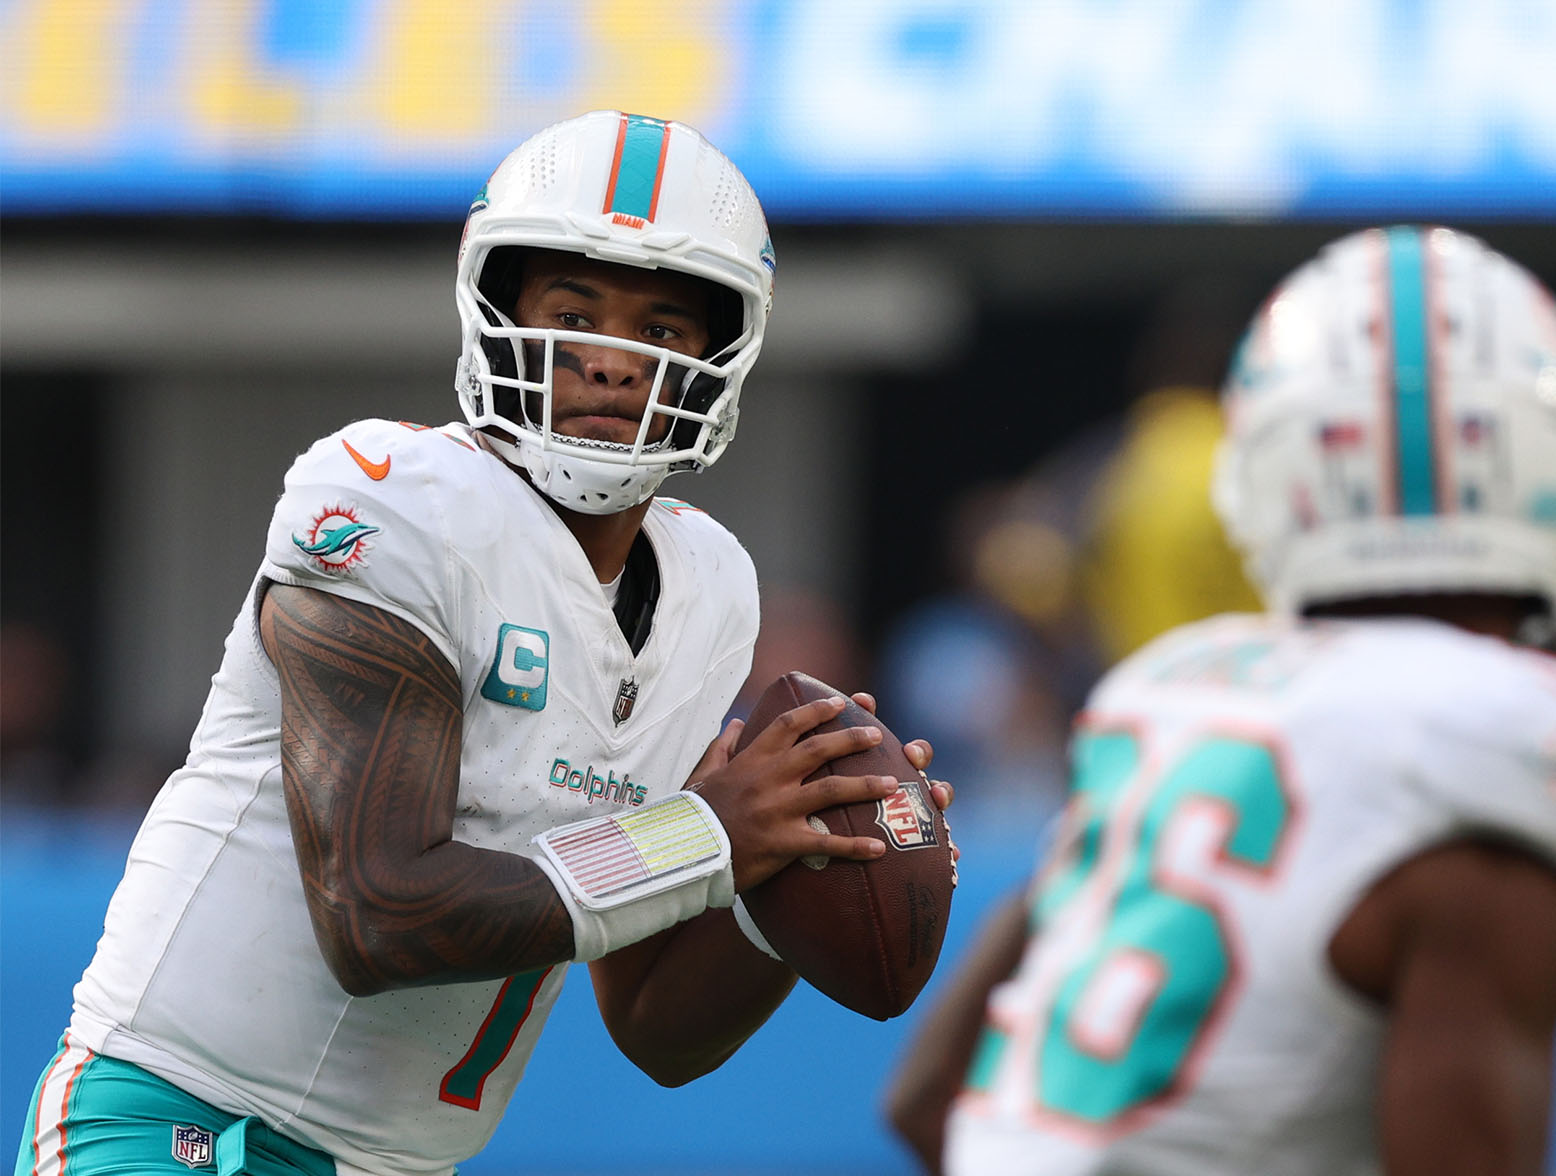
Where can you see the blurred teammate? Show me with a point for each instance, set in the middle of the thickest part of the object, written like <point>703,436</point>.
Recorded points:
<point>1302,915</point>
<point>445,752</point>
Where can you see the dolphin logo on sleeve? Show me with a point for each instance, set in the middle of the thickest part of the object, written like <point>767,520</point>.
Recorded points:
<point>336,540</point>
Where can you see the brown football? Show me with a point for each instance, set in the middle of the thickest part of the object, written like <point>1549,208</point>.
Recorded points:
<point>867,934</point>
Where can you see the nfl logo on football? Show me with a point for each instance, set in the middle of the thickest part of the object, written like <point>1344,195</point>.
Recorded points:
<point>906,818</point>
<point>192,1146</point>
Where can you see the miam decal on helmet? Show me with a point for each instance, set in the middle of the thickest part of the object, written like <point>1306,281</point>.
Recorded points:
<point>336,541</point>
<point>906,818</point>
<point>632,194</point>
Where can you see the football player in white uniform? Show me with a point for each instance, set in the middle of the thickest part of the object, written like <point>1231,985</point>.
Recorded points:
<point>466,729</point>
<point>1300,919</point>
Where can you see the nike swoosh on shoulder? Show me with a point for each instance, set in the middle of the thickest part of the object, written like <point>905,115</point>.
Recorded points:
<point>377,470</point>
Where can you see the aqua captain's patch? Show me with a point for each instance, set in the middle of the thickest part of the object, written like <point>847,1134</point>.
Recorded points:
<point>336,540</point>
<point>521,668</point>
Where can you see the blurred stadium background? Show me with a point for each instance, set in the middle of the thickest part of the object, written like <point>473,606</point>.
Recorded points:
<point>1016,242</point>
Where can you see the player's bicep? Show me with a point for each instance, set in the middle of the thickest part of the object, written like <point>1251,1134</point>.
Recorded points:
<point>370,739</point>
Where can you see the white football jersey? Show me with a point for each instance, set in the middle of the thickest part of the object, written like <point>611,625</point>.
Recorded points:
<point>1239,785</point>
<point>208,973</point>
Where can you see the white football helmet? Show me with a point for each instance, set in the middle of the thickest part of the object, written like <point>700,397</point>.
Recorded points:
<point>1391,425</point>
<point>635,191</point>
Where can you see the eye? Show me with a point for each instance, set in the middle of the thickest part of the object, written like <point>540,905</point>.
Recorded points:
<point>661,332</point>
<point>572,320</point>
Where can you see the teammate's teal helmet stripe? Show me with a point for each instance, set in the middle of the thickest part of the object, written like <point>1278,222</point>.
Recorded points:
<point>1412,373</point>
<point>640,152</point>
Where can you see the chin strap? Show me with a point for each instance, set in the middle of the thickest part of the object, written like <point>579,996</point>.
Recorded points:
<point>589,487</point>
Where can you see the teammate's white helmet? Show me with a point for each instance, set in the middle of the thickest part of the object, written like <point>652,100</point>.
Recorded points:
<point>1391,425</point>
<point>636,191</point>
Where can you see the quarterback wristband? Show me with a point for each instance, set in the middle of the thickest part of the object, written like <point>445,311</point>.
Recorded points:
<point>626,876</point>
<point>749,929</point>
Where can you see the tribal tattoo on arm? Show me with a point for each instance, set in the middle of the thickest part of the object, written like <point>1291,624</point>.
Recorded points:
<point>370,743</point>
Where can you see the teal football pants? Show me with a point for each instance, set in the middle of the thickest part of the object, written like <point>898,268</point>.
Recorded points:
<point>98,1116</point>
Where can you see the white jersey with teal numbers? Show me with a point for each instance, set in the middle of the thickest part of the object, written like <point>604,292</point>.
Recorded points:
<point>208,973</point>
<point>1239,785</point>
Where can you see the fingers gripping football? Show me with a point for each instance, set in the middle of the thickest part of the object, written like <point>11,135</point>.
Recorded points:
<point>764,792</point>
<point>862,912</point>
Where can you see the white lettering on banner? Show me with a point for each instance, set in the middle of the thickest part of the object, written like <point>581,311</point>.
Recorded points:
<point>1219,106</point>
<point>1207,102</point>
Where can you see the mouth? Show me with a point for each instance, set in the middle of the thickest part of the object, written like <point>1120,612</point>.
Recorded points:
<point>606,427</point>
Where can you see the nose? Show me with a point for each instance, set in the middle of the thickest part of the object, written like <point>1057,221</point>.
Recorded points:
<point>613,368</point>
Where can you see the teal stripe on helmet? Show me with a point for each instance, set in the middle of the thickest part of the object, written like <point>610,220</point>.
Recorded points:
<point>1412,372</point>
<point>637,172</point>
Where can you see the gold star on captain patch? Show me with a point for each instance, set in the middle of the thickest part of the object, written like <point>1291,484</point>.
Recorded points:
<point>511,691</point>
<point>524,696</point>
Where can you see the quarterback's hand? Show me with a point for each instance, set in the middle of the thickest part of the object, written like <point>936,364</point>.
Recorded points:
<point>920,753</point>
<point>761,798</point>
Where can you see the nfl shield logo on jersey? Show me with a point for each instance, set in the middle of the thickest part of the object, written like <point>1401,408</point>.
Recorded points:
<point>626,699</point>
<point>192,1146</point>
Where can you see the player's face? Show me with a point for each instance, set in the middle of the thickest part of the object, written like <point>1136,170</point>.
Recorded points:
<point>600,393</point>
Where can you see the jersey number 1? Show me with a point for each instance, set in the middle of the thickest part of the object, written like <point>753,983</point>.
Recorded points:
<point>463,1085</point>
